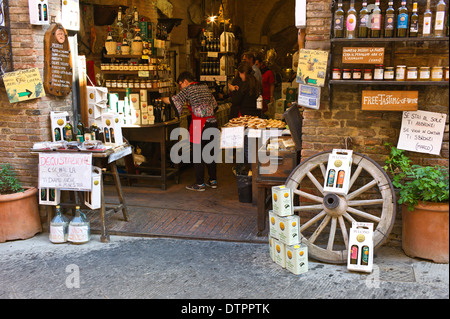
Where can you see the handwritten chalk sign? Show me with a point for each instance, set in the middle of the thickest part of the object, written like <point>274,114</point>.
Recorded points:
<point>390,100</point>
<point>232,137</point>
<point>422,132</point>
<point>23,85</point>
<point>65,171</point>
<point>362,55</point>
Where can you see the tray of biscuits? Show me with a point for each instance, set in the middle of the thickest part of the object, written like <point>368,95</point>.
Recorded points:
<point>255,122</point>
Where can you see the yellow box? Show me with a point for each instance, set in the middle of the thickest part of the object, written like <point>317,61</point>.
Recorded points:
<point>143,95</point>
<point>297,258</point>
<point>282,200</point>
<point>279,252</point>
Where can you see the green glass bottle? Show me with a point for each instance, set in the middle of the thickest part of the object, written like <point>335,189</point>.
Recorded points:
<point>363,21</point>
<point>389,21</point>
<point>402,20</point>
<point>339,21</point>
<point>80,130</point>
<point>375,25</point>
<point>68,130</point>
<point>350,30</point>
<point>414,24</point>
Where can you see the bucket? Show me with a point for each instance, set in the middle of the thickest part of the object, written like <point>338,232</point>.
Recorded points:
<point>244,184</point>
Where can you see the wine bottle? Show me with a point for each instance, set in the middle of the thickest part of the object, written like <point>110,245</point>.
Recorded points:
<point>68,130</point>
<point>414,24</point>
<point>389,21</point>
<point>402,20</point>
<point>440,19</point>
<point>339,21</point>
<point>80,130</point>
<point>375,26</point>
<point>363,21</point>
<point>351,21</point>
<point>427,17</point>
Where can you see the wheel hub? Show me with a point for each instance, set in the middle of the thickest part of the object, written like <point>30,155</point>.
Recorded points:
<point>334,205</point>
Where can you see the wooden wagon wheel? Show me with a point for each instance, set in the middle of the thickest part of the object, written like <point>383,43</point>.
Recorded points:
<point>371,198</point>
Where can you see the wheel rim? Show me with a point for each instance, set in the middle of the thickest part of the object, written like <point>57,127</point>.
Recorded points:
<point>325,218</point>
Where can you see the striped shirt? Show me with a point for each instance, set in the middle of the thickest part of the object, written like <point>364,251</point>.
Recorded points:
<point>199,97</point>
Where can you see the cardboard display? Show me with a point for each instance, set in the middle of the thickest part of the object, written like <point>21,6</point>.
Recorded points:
<point>282,200</point>
<point>360,252</point>
<point>93,198</point>
<point>297,258</point>
<point>337,178</point>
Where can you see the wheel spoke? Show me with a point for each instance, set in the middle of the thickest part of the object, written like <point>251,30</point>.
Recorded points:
<point>312,221</point>
<point>349,218</point>
<point>361,190</point>
<point>321,227</point>
<point>307,208</point>
<point>315,182</point>
<point>324,170</point>
<point>332,233</point>
<point>343,230</point>
<point>366,202</point>
<point>355,176</point>
<point>312,197</point>
<point>363,214</point>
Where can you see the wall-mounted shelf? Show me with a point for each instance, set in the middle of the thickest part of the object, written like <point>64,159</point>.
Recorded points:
<point>384,82</point>
<point>368,40</point>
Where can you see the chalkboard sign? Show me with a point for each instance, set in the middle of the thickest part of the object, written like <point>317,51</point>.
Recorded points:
<point>57,61</point>
<point>422,132</point>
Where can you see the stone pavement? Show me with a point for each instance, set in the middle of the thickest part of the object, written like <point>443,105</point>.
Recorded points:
<point>144,268</point>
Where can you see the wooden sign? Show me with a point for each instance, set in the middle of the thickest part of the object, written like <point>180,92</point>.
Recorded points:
<point>390,100</point>
<point>23,85</point>
<point>57,61</point>
<point>422,132</point>
<point>362,55</point>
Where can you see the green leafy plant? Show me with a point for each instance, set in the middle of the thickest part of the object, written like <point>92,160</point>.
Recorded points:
<point>9,184</point>
<point>415,182</point>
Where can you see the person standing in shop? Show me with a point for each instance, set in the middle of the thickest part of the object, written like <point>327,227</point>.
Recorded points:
<point>249,57</point>
<point>201,104</point>
<point>268,83</point>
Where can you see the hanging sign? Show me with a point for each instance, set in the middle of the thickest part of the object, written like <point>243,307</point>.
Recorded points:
<point>363,55</point>
<point>57,61</point>
<point>70,14</point>
<point>312,67</point>
<point>390,100</point>
<point>23,85</point>
<point>422,132</point>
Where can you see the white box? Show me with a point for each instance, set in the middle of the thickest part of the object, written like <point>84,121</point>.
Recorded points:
<point>144,118</point>
<point>360,243</point>
<point>297,258</point>
<point>144,107</point>
<point>279,252</point>
<point>58,120</point>
<point>49,196</point>
<point>38,11</point>
<point>95,111</point>
<point>300,13</point>
<point>112,128</point>
<point>338,171</point>
<point>134,101</point>
<point>143,95</point>
<point>271,249</point>
<point>136,117</point>
<point>282,200</point>
<point>97,95</point>
<point>93,199</point>
<point>288,229</point>
<point>113,102</point>
<point>273,224</point>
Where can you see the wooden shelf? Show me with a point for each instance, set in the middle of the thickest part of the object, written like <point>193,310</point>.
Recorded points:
<point>383,82</point>
<point>418,39</point>
<point>152,72</point>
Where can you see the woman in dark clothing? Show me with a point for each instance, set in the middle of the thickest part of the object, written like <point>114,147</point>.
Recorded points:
<point>244,91</point>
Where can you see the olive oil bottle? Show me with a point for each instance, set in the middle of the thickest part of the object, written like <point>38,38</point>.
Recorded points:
<point>414,24</point>
<point>389,21</point>
<point>440,19</point>
<point>427,17</point>
<point>339,21</point>
<point>402,20</point>
<point>375,26</point>
<point>351,21</point>
<point>363,21</point>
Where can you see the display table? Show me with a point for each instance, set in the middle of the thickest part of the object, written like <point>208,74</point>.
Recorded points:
<point>154,133</point>
<point>104,158</point>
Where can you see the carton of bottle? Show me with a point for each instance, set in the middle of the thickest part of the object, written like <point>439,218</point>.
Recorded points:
<point>337,178</point>
<point>360,247</point>
<point>279,252</point>
<point>282,200</point>
<point>297,258</point>
<point>58,121</point>
<point>288,229</point>
<point>273,224</point>
<point>92,199</point>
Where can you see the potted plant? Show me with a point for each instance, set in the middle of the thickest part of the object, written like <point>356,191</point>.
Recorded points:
<point>423,192</point>
<point>19,213</point>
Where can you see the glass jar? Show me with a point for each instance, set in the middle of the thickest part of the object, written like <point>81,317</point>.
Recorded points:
<point>400,73</point>
<point>336,75</point>
<point>120,66</point>
<point>411,73</point>
<point>119,84</point>
<point>114,84</point>
<point>436,73</point>
<point>378,72</point>
<point>108,83</point>
<point>107,66</point>
<point>446,75</point>
<point>424,73</point>
<point>346,74</point>
<point>389,73</point>
<point>79,228</point>
<point>59,227</point>
<point>368,74</point>
<point>356,74</point>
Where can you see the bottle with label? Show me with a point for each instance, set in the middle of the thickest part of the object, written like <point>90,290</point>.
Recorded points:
<point>340,179</point>
<point>58,134</point>
<point>110,43</point>
<point>119,15</point>
<point>351,21</point>
<point>440,19</point>
<point>95,131</point>
<point>59,227</point>
<point>339,21</point>
<point>330,179</point>
<point>135,16</point>
<point>363,21</point>
<point>125,47</point>
<point>79,228</point>
<point>137,45</point>
<point>402,20</point>
<point>354,255</point>
<point>68,130</point>
<point>414,24</point>
<point>375,25</point>
<point>427,17</point>
<point>203,41</point>
<point>80,130</point>
<point>389,21</point>
<point>365,255</point>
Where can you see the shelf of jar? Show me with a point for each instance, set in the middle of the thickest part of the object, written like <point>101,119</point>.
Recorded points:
<point>417,39</point>
<point>117,90</point>
<point>385,82</point>
<point>131,56</point>
<point>220,78</point>
<point>152,72</point>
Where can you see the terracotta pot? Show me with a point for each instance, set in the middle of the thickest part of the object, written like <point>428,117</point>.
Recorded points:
<point>19,215</point>
<point>425,231</point>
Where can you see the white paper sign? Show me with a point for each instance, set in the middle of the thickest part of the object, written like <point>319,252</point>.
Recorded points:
<point>232,137</point>
<point>309,96</point>
<point>65,171</point>
<point>422,132</point>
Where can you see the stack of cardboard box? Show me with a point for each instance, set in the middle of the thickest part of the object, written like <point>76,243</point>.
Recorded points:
<point>285,246</point>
